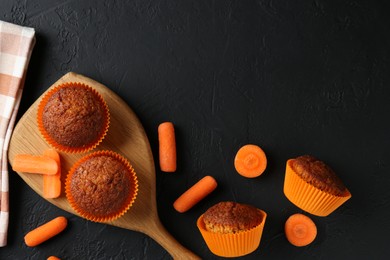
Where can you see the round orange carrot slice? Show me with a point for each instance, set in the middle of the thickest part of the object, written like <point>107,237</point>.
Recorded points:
<point>250,161</point>
<point>300,230</point>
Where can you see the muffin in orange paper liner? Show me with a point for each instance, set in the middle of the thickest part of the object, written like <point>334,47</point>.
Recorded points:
<point>73,117</point>
<point>230,229</point>
<point>101,186</point>
<point>313,186</point>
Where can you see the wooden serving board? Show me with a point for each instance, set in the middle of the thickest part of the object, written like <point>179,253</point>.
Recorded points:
<point>125,136</point>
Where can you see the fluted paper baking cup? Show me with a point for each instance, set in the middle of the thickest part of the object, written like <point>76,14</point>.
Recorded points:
<point>232,245</point>
<point>128,202</point>
<point>62,147</point>
<point>309,198</point>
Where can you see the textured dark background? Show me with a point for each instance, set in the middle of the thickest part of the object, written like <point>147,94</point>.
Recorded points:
<point>295,77</point>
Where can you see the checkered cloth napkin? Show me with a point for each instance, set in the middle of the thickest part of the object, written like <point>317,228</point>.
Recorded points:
<point>16,44</point>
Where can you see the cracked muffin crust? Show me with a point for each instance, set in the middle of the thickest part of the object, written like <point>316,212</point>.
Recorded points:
<point>318,174</point>
<point>73,117</point>
<point>101,186</point>
<point>231,217</point>
<point>231,229</point>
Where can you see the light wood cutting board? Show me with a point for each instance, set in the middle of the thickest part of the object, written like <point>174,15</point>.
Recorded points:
<point>125,136</point>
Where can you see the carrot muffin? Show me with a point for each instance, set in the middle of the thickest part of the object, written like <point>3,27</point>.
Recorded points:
<point>101,186</point>
<point>73,117</point>
<point>313,186</point>
<point>231,217</point>
<point>232,229</point>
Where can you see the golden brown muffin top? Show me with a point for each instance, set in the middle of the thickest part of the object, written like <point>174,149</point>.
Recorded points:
<point>100,186</point>
<point>318,174</point>
<point>231,217</point>
<point>74,116</point>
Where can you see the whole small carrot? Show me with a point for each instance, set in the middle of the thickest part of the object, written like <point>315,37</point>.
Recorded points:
<point>167,147</point>
<point>45,231</point>
<point>34,164</point>
<point>195,194</point>
<point>52,183</point>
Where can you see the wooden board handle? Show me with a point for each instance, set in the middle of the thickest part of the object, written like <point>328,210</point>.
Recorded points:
<point>168,242</point>
<point>128,139</point>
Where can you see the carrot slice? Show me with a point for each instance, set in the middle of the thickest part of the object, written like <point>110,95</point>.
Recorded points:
<point>34,164</point>
<point>45,231</point>
<point>300,230</point>
<point>52,183</point>
<point>250,161</point>
<point>53,258</point>
<point>167,147</point>
<point>195,194</point>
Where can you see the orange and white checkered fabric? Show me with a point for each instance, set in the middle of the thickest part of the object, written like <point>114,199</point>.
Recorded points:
<point>16,44</point>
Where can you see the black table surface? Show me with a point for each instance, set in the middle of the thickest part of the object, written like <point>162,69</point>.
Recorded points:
<point>294,77</point>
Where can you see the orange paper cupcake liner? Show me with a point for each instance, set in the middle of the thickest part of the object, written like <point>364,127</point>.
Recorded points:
<point>309,198</point>
<point>67,149</point>
<point>232,245</point>
<point>126,206</point>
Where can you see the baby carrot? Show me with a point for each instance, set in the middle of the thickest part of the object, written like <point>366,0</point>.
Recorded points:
<point>34,164</point>
<point>300,230</point>
<point>250,161</point>
<point>52,183</point>
<point>45,231</point>
<point>195,194</point>
<point>167,147</point>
